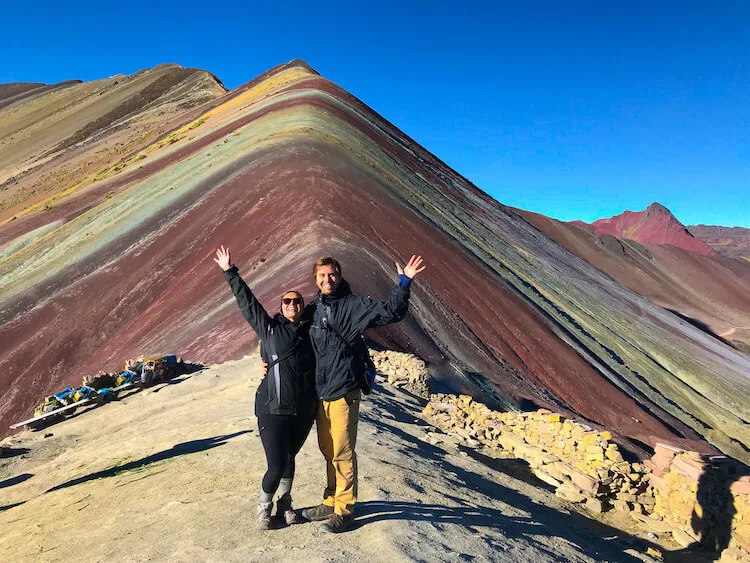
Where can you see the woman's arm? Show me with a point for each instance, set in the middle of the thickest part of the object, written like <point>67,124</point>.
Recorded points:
<point>251,309</point>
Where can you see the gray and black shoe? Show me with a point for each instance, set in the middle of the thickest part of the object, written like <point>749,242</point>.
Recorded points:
<point>337,523</point>
<point>264,515</point>
<point>320,512</point>
<point>284,509</point>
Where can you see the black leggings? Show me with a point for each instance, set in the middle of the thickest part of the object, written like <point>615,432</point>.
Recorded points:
<point>282,437</point>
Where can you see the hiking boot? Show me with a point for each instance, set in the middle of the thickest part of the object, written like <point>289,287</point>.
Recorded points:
<point>264,515</point>
<point>320,512</point>
<point>284,508</point>
<point>337,523</point>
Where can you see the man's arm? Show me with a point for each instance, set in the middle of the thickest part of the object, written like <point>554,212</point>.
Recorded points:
<point>370,313</point>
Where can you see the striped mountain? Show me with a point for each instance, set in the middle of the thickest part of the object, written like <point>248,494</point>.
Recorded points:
<point>110,256</point>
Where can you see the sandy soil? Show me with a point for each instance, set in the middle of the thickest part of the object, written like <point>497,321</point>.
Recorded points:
<point>172,473</point>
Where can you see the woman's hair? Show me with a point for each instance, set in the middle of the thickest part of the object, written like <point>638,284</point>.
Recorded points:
<point>297,293</point>
<point>326,261</point>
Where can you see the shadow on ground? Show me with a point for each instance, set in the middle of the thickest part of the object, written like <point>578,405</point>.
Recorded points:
<point>15,480</point>
<point>9,506</point>
<point>12,452</point>
<point>592,537</point>
<point>714,524</point>
<point>184,448</point>
<point>187,368</point>
<point>700,325</point>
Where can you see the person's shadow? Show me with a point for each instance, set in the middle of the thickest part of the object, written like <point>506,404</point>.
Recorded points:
<point>714,522</point>
<point>15,480</point>
<point>190,447</point>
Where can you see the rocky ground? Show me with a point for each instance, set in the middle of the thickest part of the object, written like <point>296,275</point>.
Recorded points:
<point>172,473</point>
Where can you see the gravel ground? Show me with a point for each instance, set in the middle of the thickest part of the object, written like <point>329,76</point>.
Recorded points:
<point>172,473</point>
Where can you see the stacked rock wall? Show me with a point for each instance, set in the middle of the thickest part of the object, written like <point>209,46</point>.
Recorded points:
<point>403,370</point>
<point>739,543</point>
<point>693,497</point>
<point>582,464</point>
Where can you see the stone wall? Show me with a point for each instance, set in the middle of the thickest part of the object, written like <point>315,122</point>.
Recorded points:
<point>403,370</point>
<point>581,463</point>
<point>693,497</point>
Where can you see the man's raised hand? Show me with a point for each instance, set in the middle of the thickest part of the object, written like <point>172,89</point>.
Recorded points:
<point>222,258</point>
<point>412,268</point>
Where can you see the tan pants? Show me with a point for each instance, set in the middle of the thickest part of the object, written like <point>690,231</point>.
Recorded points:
<point>337,437</point>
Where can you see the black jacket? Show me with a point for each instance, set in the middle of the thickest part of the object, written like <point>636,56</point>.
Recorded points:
<point>338,366</point>
<point>289,387</point>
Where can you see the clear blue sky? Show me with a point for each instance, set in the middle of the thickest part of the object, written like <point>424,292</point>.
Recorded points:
<point>577,110</point>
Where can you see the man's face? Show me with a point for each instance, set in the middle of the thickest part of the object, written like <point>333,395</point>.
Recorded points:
<point>327,279</point>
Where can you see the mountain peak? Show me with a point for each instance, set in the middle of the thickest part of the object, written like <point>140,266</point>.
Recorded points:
<point>657,208</point>
<point>655,225</point>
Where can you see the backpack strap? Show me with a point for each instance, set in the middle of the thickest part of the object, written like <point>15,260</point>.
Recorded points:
<point>286,355</point>
<point>270,371</point>
<point>366,382</point>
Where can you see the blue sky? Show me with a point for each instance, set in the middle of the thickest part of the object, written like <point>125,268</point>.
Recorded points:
<point>573,109</point>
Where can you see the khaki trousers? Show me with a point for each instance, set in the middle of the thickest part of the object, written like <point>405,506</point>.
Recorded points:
<point>337,437</point>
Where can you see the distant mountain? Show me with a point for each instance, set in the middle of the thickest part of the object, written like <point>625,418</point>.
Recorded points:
<point>655,225</point>
<point>15,92</point>
<point>728,241</point>
<point>57,138</point>
<point>709,290</point>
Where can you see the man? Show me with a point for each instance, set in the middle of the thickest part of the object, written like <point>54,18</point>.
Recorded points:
<point>339,320</point>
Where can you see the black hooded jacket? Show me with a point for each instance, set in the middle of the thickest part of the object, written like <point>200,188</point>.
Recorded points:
<point>338,366</point>
<point>289,387</point>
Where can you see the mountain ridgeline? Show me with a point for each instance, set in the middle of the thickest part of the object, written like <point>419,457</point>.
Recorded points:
<point>107,241</point>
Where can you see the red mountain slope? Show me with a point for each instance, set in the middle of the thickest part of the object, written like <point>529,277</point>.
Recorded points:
<point>712,292</point>
<point>655,225</point>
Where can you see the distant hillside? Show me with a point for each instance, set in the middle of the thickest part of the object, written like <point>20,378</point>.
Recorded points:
<point>15,92</point>
<point>655,225</point>
<point>728,241</point>
<point>712,292</point>
<point>56,138</point>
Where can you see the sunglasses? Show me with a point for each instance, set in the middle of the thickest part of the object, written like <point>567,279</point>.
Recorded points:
<point>290,300</point>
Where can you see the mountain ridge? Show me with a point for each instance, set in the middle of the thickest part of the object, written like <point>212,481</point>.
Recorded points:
<point>733,242</point>
<point>290,166</point>
<point>656,225</point>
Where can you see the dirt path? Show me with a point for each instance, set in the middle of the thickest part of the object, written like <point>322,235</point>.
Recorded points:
<point>172,473</point>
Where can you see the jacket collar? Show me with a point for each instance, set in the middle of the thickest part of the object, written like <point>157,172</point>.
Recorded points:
<point>341,291</point>
<point>281,319</point>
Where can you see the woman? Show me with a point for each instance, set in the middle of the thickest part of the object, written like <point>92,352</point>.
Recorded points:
<point>286,401</point>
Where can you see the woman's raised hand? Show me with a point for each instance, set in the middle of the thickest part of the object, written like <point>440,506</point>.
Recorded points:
<point>412,268</point>
<point>222,258</point>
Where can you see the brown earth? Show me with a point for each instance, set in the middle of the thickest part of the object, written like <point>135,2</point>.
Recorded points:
<point>172,473</point>
<point>733,242</point>
<point>54,138</point>
<point>710,292</point>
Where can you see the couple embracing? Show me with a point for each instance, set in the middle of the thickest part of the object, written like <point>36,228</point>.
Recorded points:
<point>315,362</point>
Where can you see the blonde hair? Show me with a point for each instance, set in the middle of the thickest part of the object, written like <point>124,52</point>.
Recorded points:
<point>326,261</point>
